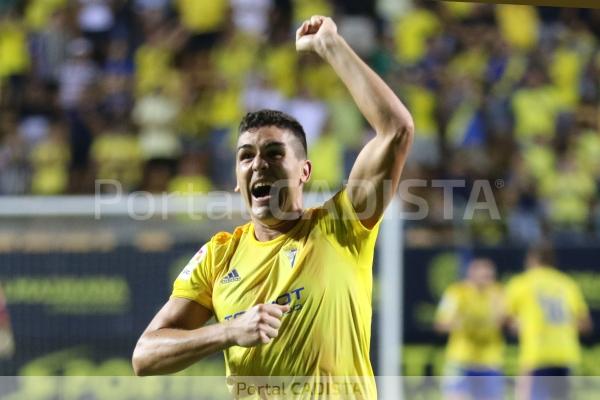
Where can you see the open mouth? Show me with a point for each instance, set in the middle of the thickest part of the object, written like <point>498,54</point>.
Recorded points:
<point>261,191</point>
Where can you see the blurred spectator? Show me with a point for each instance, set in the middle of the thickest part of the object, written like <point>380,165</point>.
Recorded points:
<point>95,19</point>
<point>119,62</point>
<point>117,156</point>
<point>413,30</point>
<point>422,102</point>
<point>326,153</point>
<point>14,55</point>
<point>568,192</point>
<point>191,177</point>
<point>251,17</point>
<point>77,73</point>
<point>304,9</point>
<point>521,202</point>
<point>154,60</point>
<point>40,13</point>
<point>49,159</point>
<point>155,115</point>
<point>14,168</point>
<point>518,25</point>
<point>310,112</point>
<point>203,20</point>
<point>49,45</point>
<point>36,111</point>
<point>116,100</point>
<point>84,122</point>
<point>535,106</point>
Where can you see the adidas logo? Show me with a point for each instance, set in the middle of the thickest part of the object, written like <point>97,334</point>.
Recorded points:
<point>232,276</point>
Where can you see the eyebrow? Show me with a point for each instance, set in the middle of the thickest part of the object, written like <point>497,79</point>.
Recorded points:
<point>267,145</point>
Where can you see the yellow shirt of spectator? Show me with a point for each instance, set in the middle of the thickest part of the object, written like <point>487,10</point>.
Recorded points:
<point>477,338</point>
<point>280,64</point>
<point>153,69</point>
<point>304,9</point>
<point>50,159</point>
<point>202,16</point>
<point>190,185</point>
<point>587,151</point>
<point>422,103</point>
<point>244,49</point>
<point>540,161</point>
<point>565,70</point>
<point>518,24</point>
<point>38,12</point>
<point>411,34</point>
<point>547,305</point>
<point>322,268</point>
<point>535,111</point>
<point>327,155</point>
<point>14,55</point>
<point>568,193</point>
<point>118,156</point>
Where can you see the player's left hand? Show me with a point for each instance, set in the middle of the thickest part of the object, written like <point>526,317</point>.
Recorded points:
<point>314,34</point>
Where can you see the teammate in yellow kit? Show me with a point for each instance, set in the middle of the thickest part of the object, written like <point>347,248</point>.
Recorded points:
<point>548,310</point>
<point>471,312</point>
<point>291,290</point>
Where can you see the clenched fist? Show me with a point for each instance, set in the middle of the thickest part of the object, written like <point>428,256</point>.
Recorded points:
<point>315,33</point>
<point>260,324</point>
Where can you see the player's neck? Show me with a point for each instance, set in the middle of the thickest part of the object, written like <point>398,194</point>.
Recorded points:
<point>481,287</point>
<point>264,233</point>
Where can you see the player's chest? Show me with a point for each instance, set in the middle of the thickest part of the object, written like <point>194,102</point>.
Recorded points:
<point>300,273</point>
<point>259,276</point>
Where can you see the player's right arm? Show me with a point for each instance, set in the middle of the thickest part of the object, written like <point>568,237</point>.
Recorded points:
<point>446,316</point>
<point>177,337</point>
<point>581,311</point>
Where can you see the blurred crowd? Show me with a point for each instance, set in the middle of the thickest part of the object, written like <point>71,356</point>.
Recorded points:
<point>150,93</point>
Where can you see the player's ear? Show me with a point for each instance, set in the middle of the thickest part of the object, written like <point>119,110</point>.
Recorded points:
<point>306,171</point>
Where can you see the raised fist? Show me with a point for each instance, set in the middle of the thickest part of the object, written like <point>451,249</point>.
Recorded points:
<point>314,34</point>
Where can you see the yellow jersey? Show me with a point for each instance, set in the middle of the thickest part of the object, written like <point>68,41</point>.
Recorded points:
<point>476,341</point>
<point>547,305</point>
<point>322,268</point>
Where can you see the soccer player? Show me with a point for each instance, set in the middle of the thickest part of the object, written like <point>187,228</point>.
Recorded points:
<point>547,309</point>
<point>290,290</point>
<point>471,313</point>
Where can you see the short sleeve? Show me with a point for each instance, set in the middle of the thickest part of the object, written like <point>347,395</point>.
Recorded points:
<point>195,280</point>
<point>580,308</point>
<point>342,225</point>
<point>447,308</point>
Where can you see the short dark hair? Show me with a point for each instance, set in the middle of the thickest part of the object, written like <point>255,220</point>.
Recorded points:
<point>260,118</point>
<point>543,253</point>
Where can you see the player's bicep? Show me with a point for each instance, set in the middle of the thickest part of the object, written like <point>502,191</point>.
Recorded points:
<point>376,174</point>
<point>180,313</point>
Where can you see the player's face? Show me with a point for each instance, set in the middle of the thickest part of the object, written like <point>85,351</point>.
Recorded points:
<point>270,174</point>
<point>482,272</point>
